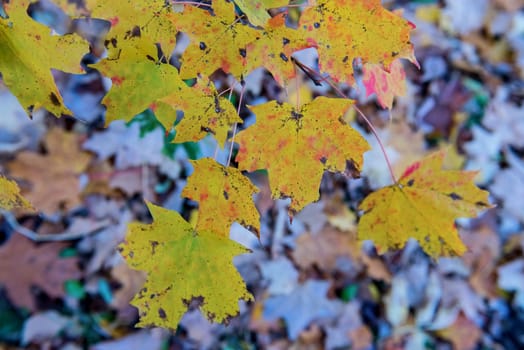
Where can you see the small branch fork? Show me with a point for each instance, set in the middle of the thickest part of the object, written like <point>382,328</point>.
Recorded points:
<point>312,74</point>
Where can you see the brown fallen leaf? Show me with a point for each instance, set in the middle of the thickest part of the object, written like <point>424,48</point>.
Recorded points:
<point>463,333</point>
<point>131,282</point>
<point>24,264</point>
<point>324,248</point>
<point>361,338</point>
<point>484,249</point>
<point>54,175</point>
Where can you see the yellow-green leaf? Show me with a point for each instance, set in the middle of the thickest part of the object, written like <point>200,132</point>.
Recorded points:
<point>224,196</point>
<point>296,146</point>
<point>182,265</point>
<point>343,30</point>
<point>138,80</point>
<point>256,10</point>
<point>149,19</point>
<point>10,197</point>
<point>422,205</point>
<point>28,52</point>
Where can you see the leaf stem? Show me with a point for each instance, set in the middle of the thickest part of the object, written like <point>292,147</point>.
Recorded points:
<point>236,124</point>
<point>297,88</point>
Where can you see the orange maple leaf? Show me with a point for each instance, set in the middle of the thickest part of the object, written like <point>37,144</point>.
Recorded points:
<point>297,145</point>
<point>424,205</point>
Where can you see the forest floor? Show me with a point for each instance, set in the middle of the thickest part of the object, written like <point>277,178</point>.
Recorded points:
<point>63,284</point>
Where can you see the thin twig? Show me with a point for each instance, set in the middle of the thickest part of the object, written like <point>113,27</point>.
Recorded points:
<point>310,71</point>
<point>50,237</point>
<point>236,124</point>
<point>229,98</point>
<point>197,4</point>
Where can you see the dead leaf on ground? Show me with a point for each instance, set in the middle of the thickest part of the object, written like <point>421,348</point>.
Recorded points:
<point>53,175</point>
<point>34,265</point>
<point>483,253</point>
<point>463,334</point>
<point>324,248</point>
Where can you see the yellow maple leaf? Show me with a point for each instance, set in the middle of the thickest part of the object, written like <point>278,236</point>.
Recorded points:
<point>28,52</point>
<point>343,30</point>
<point>221,41</point>
<point>423,205</point>
<point>10,197</point>
<point>273,49</point>
<point>182,265</point>
<point>224,196</point>
<point>149,19</point>
<point>296,146</point>
<point>204,112</point>
<point>218,41</point>
<point>136,66</point>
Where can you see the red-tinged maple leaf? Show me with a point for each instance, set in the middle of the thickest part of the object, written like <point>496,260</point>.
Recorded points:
<point>224,196</point>
<point>296,146</point>
<point>422,205</point>
<point>343,30</point>
<point>386,85</point>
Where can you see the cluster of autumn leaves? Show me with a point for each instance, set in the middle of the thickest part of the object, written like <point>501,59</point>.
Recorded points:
<point>294,144</point>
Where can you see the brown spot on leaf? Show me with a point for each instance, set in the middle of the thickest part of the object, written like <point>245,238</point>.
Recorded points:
<point>162,313</point>
<point>54,99</point>
<point>454,196</point>
<point>154,244</point>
